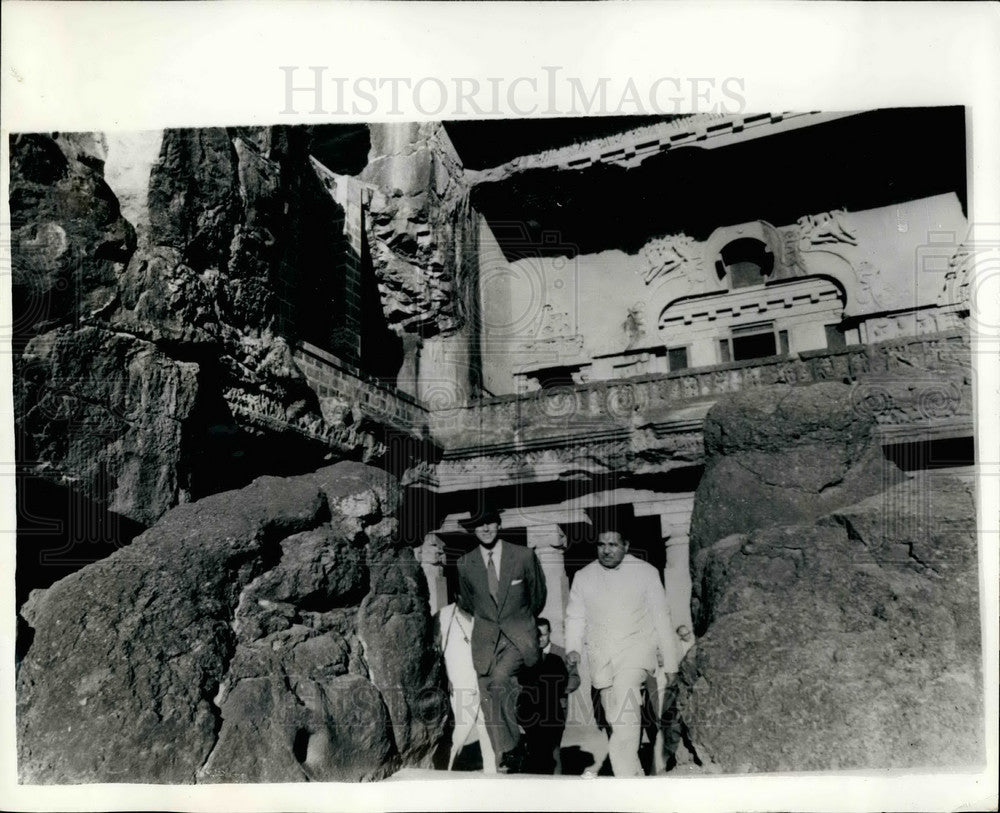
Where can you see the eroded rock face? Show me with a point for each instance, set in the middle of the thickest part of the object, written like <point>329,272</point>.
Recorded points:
<point>153,374</point>
<point>69,241</point>
<point>785,455</point>
<point>851,643</point>
<point>105,413</point>
<point>415,220</point>
<point>272,634</point>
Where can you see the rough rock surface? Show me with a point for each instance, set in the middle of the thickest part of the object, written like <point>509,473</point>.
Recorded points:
<point>69,241</point>
<point>417,213</point>
<point>275,633</point>
<point>107,412</point>
<point>785,455</point>
<point>850,643</point>
<point>153,374</point>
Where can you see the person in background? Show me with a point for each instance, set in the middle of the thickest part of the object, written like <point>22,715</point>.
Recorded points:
<point>542,708</point>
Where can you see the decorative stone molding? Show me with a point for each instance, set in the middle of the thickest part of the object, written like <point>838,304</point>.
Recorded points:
<point>825,229</point>
<point>956,291</point>
<point>678,256</point>
<point>509,440</point>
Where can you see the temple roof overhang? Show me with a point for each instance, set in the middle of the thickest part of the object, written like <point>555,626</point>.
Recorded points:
<point>692,174</point>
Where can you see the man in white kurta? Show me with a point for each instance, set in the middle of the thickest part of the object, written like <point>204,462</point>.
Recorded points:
<point>618,608</point>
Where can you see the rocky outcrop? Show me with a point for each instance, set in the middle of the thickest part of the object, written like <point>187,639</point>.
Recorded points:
<point>835,602</point>
<point>785,455</point>
<point>69,241</point>
<point>277,633</point>
<point>852,643</point>
<point>417,226</point>
<point>105,413</point>
<point>151,374</point>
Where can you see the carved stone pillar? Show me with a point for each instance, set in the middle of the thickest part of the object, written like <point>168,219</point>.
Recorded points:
<point>677,583</point>
<point>549,544</point>
<point>431,557</point>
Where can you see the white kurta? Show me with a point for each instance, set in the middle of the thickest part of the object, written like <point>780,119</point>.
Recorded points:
<point>623,618</point>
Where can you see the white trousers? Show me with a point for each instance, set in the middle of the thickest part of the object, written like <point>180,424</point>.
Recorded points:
<point>622,702</point>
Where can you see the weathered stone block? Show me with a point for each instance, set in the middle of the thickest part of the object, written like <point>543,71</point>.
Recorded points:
<point>226,644</point>
<point>785,455</point>
<point>822,648</point>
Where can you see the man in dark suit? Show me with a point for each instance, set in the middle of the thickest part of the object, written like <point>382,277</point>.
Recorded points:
<point>542,708</point>
<point>502,586</point>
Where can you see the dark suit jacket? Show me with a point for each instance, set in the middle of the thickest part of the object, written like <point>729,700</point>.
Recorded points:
<point>520,599</point>
<point>543,697</point>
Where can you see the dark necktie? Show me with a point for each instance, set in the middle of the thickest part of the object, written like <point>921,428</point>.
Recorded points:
<point>491,576</point>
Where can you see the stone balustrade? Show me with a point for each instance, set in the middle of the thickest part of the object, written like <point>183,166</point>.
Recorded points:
<point>901,381</point>
<point>331,377</point>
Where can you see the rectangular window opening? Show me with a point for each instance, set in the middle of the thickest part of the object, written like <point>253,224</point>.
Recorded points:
<point>677,358</point>
<point>725,355</point>
<point>835,339</point>
<point>754,346</point>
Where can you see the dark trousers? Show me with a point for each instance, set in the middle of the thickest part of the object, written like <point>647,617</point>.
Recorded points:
<point>543,742</point>
<point>498,693</point>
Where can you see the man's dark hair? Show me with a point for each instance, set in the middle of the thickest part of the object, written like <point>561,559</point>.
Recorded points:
<point>543,622</point>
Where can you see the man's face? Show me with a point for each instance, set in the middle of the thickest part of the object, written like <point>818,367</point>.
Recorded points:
<point>543,636</point>
<point>487,534</point>
<point>611,549</point>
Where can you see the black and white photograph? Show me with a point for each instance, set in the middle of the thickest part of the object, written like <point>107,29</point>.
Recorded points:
<point>475,448</point>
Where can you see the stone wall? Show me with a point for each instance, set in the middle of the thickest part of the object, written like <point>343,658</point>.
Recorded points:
<point>340,385</point>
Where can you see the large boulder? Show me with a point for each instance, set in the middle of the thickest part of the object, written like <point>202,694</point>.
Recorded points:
<point>851,643</point>
<point>785,455</point>
<point>276,633</point>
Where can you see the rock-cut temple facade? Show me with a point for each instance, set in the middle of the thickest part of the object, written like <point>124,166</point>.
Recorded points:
<point>540,314</point>
<point>570,314</point>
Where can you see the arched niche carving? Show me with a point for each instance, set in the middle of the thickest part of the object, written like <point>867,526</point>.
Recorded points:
<point>781,317</point>
<point>757,241</point>
<point>835,267</point>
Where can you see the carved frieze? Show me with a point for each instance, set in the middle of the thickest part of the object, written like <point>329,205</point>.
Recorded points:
<point>633,425</point>
<point>957,278</point>
<point>826,229</point>
<point>677,256</point>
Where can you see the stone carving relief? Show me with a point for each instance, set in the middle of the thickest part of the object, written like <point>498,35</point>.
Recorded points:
<point>556,334</point>
<point>824,229</point>
<point>677,256</point>
<point>632,326</point>
<point>957,278</point>
<point>553,323</point>
<point>868,284</point>
<point>790,250</point>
